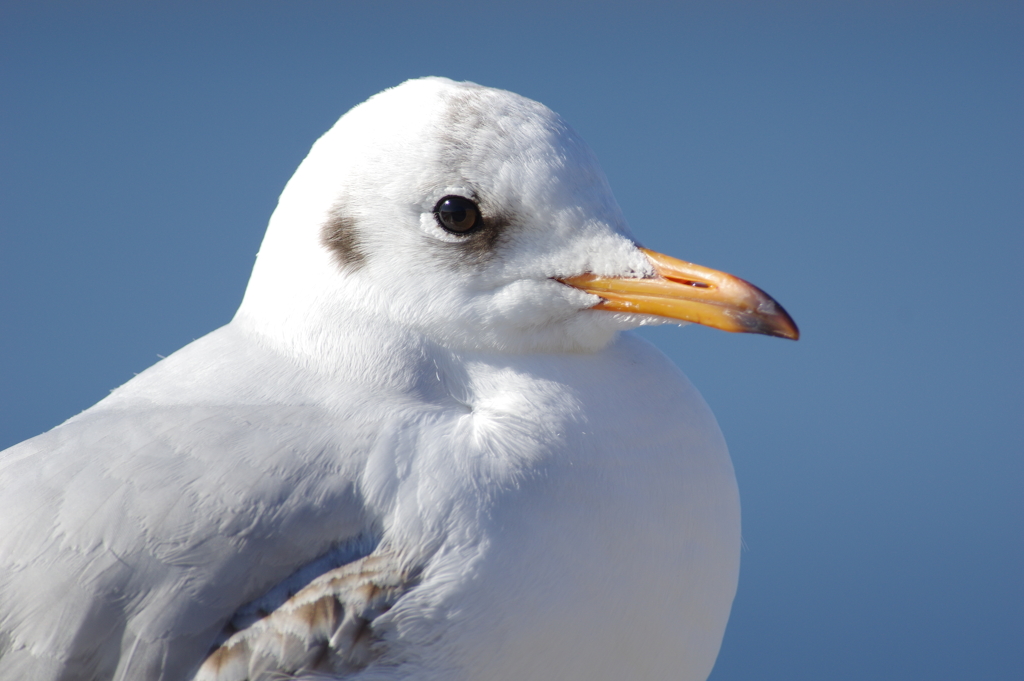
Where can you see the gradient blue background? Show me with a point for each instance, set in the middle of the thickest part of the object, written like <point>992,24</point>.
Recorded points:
<point>862,162</point>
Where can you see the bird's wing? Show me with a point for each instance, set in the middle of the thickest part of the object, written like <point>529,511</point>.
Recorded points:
<point>129,537</point>
<point>326,627</point>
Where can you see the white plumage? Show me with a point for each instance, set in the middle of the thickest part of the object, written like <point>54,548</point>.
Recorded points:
<point>463,470</point>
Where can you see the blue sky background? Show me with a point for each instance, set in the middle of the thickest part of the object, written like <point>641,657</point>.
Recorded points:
<point>861,161</point>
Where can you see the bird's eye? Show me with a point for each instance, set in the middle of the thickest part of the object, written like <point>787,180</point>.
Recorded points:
<point>457,214</point>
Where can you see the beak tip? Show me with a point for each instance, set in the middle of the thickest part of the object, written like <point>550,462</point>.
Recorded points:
<point>770,318</point>
<point>787,326</point>
<point>780,325</point>
<point>772,326</point>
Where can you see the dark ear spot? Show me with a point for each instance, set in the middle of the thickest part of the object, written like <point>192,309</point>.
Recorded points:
<point>340,236</point>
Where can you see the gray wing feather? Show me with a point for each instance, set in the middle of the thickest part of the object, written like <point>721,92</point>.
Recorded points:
<point>128,538</point>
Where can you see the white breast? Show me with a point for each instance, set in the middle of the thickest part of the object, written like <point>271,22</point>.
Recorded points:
<point>595,534</point>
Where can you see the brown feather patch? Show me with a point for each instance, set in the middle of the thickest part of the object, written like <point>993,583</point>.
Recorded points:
<point>340,236</point>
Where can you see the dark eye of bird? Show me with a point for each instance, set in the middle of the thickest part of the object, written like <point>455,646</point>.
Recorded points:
<point>457,214</point>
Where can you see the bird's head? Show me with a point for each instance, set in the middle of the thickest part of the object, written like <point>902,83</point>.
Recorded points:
<point>479,219</point>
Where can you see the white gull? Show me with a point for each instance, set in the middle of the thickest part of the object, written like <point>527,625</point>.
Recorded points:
<point>422,449</point>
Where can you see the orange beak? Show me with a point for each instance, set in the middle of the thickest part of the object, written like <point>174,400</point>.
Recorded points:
<point>691,293</point>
